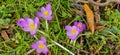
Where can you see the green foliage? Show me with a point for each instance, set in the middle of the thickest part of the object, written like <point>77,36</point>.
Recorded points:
<point>5,21</point>
<point>12,10</point>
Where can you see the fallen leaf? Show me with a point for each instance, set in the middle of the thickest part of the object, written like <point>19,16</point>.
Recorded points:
<point>89,18</point>
<point>11,25</point>
<point>8,29</point>
<point>99,27</point>
<point>5,26</point>
<point>4,35</point>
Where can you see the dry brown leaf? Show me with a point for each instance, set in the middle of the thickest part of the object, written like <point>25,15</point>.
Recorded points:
<point>11,25</point>
<point>5,26</point>
<point>99,27</point>
<point>4,35</point>
<point>89,18</point>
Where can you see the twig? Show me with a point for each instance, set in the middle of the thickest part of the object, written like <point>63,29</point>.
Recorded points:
<point>98,49</point>
<point>78,51</point>
<point>63,47</point>
<point>105,3</point>
<point>77,5</point>
<point>82,1</point>
<point>99,4</point>
<point>97,12</point>
<point>117,1</point>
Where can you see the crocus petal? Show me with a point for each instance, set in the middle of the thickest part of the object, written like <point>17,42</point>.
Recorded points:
<point>43,39</point>
<point>38,50</point>
<point>83,26</point>
<point>45,51</point>
<point>72,37</point>
<point>38,42</point>
<point>26,29</point>
<point>39,14</point>
<point>48,6</point>
<point>49,18</point>
<point>69,33</point>
<point>77,29</point>
<point>68,27</point>
<point>34,46</point>
<point>50,12</point>
<point>37,46</point>
<point>29,20</point>
<point>75,23</point>
<point>21,22</point>
<point>33,32</point>
<point>36,21</point>
<point>36,26</point>
<point>43,9</point>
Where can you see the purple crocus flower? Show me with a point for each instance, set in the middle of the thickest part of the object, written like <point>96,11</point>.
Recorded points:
<point>46,12</point>
<point>72,32</point>
<point>80,25</point>
<point>40,46</point>
<point>29,25</point>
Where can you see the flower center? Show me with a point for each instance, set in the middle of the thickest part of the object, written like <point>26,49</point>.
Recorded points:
<point>41,46</point>
<point>79,25</point>
<point>74,31</point>
<point>32,26</point>
<point>46,13</point>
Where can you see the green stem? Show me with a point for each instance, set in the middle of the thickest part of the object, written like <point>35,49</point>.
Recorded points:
<point>46,22</point>
<point>63,47</point>
<point>35,37</point>
<point>44,34</point>
<point>50,45</point>
<point>71,41</point>
<point>74,42</point>
<point>30,51</point>
<point>41,31</point>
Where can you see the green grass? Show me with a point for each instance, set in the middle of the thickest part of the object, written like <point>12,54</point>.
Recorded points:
<point>105,41</point>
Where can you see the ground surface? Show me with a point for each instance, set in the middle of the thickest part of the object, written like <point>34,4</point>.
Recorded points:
<point>14,41</point>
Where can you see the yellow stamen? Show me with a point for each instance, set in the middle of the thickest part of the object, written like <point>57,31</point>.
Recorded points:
<point>46,13</point>
<point>41,46</point>
<point>74,31</point>
<point>32,26</point>
<point>79,25</point>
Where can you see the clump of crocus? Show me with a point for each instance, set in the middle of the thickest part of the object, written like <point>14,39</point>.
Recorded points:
<point>40,46</point>
<point>46,12</point>
<point>72,32</point>
<point>80,25</point>
<point>29,25</point>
